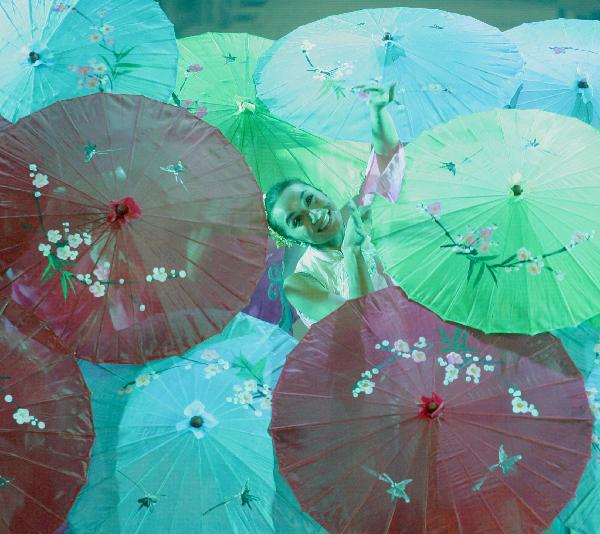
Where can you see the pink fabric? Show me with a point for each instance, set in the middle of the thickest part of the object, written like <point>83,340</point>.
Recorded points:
<point>386,182</point>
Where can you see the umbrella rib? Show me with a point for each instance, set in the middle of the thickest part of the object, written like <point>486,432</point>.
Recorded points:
<point>521,437</point>
<point>344,475</point>
<point>479,494</point>
<point>529,388</point>
<point>311,459</point>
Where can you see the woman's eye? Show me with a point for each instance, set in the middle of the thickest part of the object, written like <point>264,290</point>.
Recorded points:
<point>309,199</point>
<point>295,222</point>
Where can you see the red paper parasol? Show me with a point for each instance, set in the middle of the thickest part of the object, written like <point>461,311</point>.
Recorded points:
<point>386,419</point>
<point>4,123</point>
<point>133,228</point>
<point>46,429</point>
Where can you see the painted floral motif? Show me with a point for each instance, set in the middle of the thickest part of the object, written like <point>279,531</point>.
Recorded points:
<point>193,106</point>
<point>140,382</point>
<point>505,463</point>
<point>397,490</point>
<point>3,481</point>
<point>160,274</point>
<point>245,496</point>
<point>21,415</point>
<point>399,349</point>
<point>102,73</point>
<point>456,356</point>
<point>203,420</point>
<point>90,150</point>
<point>253,393</point>
<point>519,405</point>
<point>332,76</point>
<point>477,247</point>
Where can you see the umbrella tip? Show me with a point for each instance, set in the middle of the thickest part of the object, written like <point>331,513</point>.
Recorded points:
<point>33,57</point>
<point>517,190</point>
<point>196,421</point>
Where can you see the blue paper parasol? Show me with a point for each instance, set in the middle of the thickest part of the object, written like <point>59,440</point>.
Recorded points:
<point>182,444</point>
<point>444,65</point>
<point>51,50</point>
<point>562,65</point>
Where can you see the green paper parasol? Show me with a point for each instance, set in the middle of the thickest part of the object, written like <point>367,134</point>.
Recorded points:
<point>215,83</point>
<point>494,225</point>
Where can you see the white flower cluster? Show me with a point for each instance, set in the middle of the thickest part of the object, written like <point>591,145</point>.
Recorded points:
<point>594,400</point>
<point>217,364</point>
<point>102,274</point>
<point>307,46</point>
<point>67,250</point>
<point>337,72</point>
<point>39,180</point>
<point>244,395</point>
<point>402,348</point>
<point>519,405</point>
<point>365,385</point>
<point>22,416</point>
<point>580,237</point>
<point>454,362</point>
<point>140,382</point>
<point>160,274</point>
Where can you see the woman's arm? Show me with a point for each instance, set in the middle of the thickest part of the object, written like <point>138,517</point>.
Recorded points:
<point>383,130</point>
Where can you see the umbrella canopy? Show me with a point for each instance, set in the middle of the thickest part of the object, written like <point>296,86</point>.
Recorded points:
<point>444,65</point>
<point>183,445</point>
<point>52,50</point>
<point>4,124</point>
<point>215,82</point>
<point>132,228</point>
<point>46,429</point>
<point>582,343</point>
<point>583,512</point>
<point>562,64</point>
<point>386,419</point>
<point>494,225</point>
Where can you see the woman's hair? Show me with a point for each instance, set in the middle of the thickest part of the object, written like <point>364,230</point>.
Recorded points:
<point>271,198</point>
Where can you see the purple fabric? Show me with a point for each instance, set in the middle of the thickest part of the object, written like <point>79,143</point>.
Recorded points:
<point>268,301</point>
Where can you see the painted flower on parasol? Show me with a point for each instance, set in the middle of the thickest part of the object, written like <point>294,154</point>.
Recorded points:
<point>45,423</point>
<point>124,261</point>
<point>56,50</point>
<point>444,65</point>
<point>456,431</point>
<point>180,448</point>
<point>562,66</point>
<point>503,240</point>
<point>215,83</point>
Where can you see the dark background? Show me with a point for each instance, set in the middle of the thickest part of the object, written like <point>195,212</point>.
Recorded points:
<point>274,18</point>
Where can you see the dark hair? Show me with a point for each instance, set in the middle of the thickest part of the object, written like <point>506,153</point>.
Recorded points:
<point>271,198</point>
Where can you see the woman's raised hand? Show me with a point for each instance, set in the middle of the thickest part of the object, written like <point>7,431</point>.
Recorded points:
<point>379,97</point>
<point>355,232</point>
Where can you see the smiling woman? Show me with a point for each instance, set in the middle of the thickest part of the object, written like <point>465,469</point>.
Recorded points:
<point>339,262</point>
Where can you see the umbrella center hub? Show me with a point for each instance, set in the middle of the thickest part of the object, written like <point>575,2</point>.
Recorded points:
<point>124,210</point>
<point>196,421</point>
<point>517,190</point>
<point>583,84</point>
<point>431,407</point>
<point>387,36</point>
<point>34,57</point>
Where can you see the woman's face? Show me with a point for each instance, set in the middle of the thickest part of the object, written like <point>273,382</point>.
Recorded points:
<point>307,215</point>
